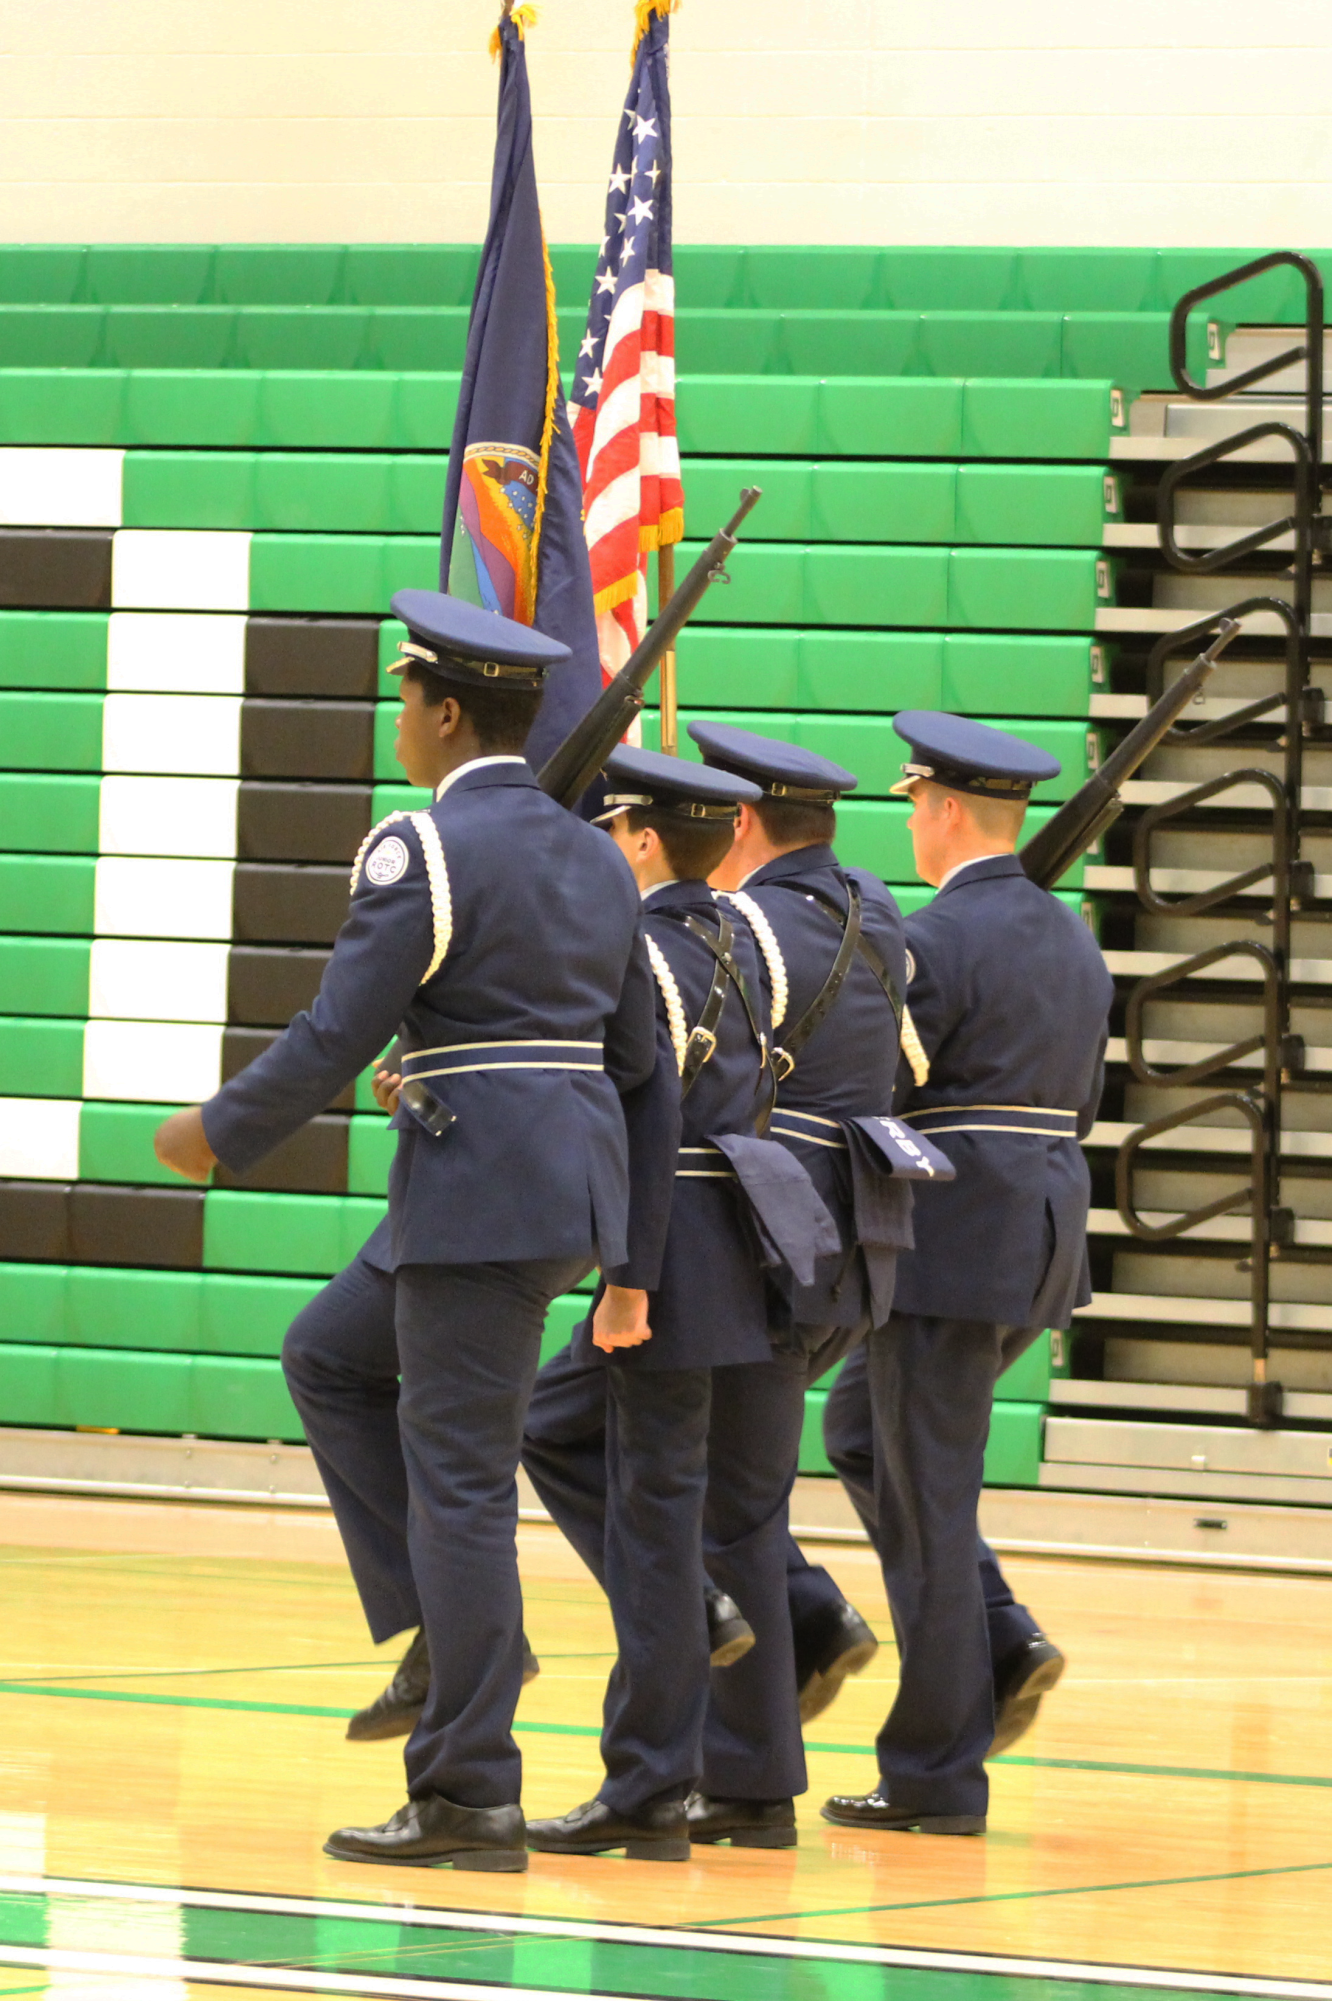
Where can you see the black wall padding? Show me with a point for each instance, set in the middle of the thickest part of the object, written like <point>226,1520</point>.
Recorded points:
<point>241,1045</point>
<point>313,1161</point>
<point>307,739</point>
<point>276,904</point>
<point>34,1221</point>
<point>266,985</point>
<point>335,657</point>
<point>302,823</point>
<point>136,1226</point>
<point>55,569</point>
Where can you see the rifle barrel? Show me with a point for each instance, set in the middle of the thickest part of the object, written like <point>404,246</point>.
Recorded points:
<point>572,765</point>
<point>1080,821</point>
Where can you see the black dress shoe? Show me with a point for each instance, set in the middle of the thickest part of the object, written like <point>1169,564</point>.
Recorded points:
<point>744,1823</point>
<point>432,1833</point>
<point>1020,1680</point>
<point>872,1810</point>
<point>657,1833</point>
<point>397,1711</point>
<point>729,1632</point>
<point>828,1648</point>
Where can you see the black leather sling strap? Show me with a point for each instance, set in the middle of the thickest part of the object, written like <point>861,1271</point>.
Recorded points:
<point>703,1037</point>
<point>853,943</point>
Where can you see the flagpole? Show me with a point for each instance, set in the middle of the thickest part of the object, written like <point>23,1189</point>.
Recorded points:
<point>670,728</point>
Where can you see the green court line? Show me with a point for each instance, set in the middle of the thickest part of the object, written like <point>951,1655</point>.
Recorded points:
<point>591,1729</point>
<point>1109,1765</point>
<point>61,1688</point>
<point>1004,1897</point>
<point>231,1702</point>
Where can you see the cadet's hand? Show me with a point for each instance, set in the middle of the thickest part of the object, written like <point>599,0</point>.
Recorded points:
<point>387,1087</point>
<point>620,1320</point>
<point>179,1144</point>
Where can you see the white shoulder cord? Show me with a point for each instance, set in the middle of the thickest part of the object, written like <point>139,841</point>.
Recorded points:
<point>914,1049</point>
<point>670,993</point>
<point>754,915</point>
<point>437,875</point>
<point>441,896</point>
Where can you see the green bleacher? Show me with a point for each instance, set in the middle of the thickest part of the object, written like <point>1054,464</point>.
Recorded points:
<point>932,432</point>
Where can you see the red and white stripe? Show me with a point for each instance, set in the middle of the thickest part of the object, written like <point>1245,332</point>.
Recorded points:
<point>633,500</point>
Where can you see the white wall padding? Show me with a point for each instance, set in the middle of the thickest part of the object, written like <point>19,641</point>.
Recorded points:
<point>168,816</point>
<point>172,733</point>
<point>44,486</point>
<point>151,1062</point>
<point>39,1138</point>
<point>181,569</point>
<point>133,980</point>
<point>162,899</point>
<point>176,652</point>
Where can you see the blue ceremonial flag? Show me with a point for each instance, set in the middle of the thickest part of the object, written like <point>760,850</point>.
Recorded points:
<point>513,506</point>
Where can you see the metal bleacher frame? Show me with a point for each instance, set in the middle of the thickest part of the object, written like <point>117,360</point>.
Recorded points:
<point>1272,1223</point>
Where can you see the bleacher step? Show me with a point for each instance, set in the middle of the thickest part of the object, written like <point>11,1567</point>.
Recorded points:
<point>1194,1449</point>
<point>1156,1529</point>
<point>1188,1399</point>
<point>79,1462</point>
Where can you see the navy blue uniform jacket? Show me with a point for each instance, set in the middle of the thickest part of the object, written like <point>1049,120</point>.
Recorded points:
<point>710,1307</point>
<point>540,929</point>
<point>1010,996</point>
<point>846,1070</point>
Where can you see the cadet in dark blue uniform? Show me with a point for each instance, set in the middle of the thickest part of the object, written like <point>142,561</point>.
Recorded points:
<point>835,939</point>
<point>1009,994</point>
<point>701,1422</point>
<point>850,1066</point>
<point>500,937</point>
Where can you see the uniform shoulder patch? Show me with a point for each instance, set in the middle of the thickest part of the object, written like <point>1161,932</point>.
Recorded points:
<point>910,965</point>
<point>388,861</point>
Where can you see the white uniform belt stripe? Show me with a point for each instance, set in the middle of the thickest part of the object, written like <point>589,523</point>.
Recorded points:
<point>704,1163</point>
<point>1043,1121</point>
<point>457,1057</point>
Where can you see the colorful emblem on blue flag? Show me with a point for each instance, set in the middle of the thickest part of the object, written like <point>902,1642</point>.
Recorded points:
<point>513,506</point>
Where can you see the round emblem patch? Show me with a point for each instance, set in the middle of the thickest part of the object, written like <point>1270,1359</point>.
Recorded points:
<point>911,966</point>
<point>387,863</point>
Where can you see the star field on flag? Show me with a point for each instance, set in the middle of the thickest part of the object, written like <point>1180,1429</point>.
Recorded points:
<point>623,395</point>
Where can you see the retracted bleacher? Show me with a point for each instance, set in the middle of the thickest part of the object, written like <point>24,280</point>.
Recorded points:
<point>218,463</point>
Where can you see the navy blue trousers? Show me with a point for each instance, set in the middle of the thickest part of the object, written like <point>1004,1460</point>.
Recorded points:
<point>848,1436</point>
<point>670,1724</point>
<point>412,1387</point>
<point>931,1385</point>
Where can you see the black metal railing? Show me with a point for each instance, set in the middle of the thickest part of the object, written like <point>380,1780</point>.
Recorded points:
<point>1259,1106</point>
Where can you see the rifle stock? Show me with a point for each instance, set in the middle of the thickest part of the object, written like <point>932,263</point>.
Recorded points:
<point>1081,821</point>
<point>570,768</point>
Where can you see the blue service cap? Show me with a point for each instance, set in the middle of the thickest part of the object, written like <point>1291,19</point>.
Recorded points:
<point>668,785</point>
<point>969,757</point>
<point>462,642</point>
<point>780,770</point>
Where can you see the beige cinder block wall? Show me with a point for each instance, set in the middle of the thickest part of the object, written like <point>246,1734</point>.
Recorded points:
<point>858,121</point>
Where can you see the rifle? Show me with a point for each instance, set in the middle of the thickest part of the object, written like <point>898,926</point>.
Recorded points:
<point>1081,820</point>
<point>572,766</point>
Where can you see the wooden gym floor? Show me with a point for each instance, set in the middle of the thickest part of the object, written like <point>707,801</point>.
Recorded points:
<point>171,1757</point>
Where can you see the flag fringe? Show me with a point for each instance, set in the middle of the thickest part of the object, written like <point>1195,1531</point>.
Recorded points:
<point>617,593</point>
<point>548,421</point>
<point>643,13</point>
<point>661,534</point>
<point>523,18</point>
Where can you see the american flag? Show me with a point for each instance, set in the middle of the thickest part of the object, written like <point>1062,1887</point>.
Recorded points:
<point>623,397</point>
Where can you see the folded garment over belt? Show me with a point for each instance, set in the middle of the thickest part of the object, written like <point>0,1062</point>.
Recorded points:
<point>790,1220</point>
<point>887,1156</point>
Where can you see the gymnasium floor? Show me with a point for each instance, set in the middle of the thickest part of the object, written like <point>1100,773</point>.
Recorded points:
<point>171,1758</point>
